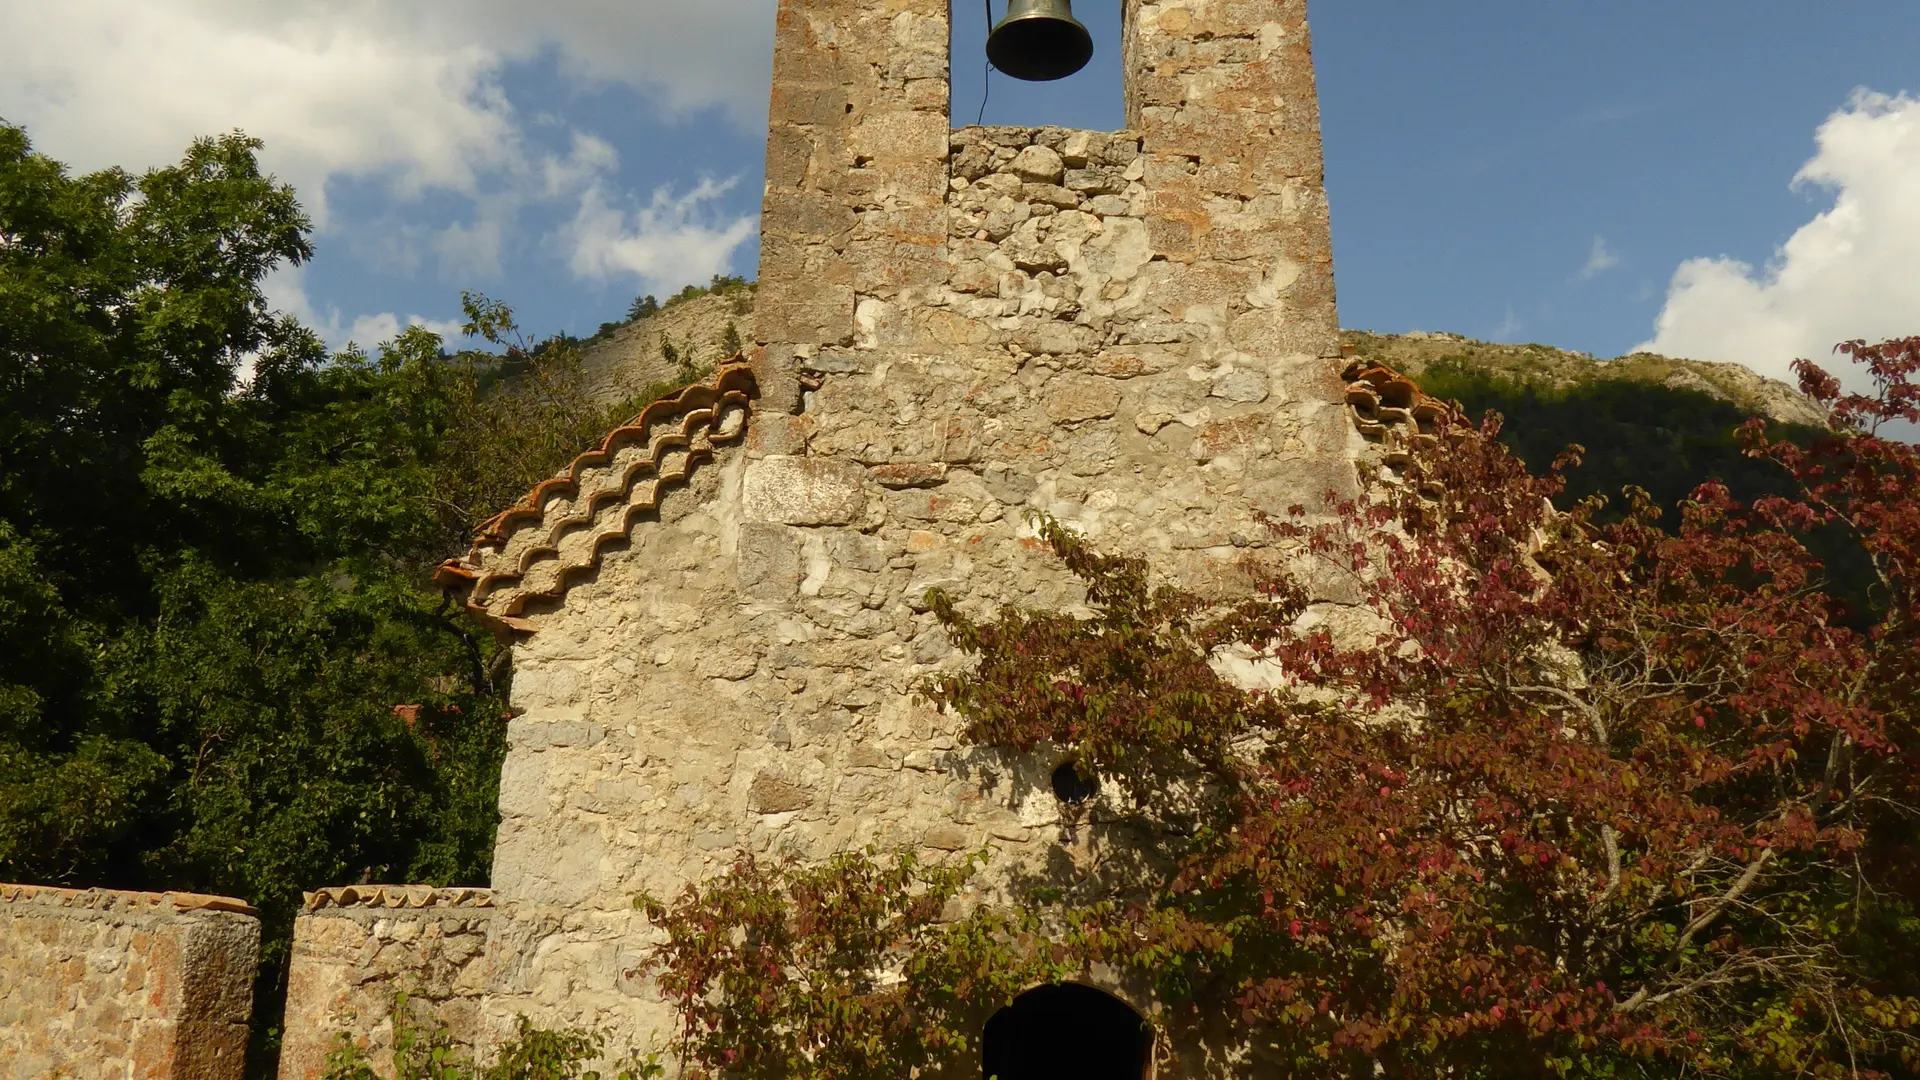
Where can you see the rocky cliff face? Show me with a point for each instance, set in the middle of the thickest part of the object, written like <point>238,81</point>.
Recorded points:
<point>637,355</point>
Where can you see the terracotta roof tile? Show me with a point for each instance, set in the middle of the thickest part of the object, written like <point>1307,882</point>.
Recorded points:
<point>118,900</point>
<point>1390,409</point>
<point>536,547</point>
<point>396,896</point>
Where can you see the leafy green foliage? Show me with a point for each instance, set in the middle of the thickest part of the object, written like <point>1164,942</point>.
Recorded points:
<point>222,665</point>
<point>1662,440</point>
<point>1665,440</point>
<point>722,285</point>
<point>513,418</point>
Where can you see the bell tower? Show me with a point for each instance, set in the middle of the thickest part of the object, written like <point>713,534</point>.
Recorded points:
<point>864,194</point>
<point>719,615</point>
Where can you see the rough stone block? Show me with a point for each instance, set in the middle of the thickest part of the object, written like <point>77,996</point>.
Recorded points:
<point>1242,386</point>
<point>778,433</point>
<point>908,474</point>
<point>947,838</point>
<point>1073,399</point>
<point>788,490</point>
<point>857,551</point>
<point>774,795</point>
<point>1039,165</point>
<point>1234,435</point>
<point>146,986</point>
<point>767,563</point>
<point>821,315</point>
<point>1104,180</point>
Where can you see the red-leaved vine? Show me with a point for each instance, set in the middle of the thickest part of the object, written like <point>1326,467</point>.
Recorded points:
<point>1482,789</point>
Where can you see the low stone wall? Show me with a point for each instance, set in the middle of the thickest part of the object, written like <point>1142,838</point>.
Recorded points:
<point>141,986</point>
<point>355,948</point>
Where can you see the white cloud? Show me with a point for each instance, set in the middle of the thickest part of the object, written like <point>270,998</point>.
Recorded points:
<point>286,291</point>
<point>1848,273</point>
<point>369,331</point>
<point>668,240</point>
<point>110,82</point>
<point>471,251</point>
<point>697,53</point>
<point>1599,260</point>
<point>352,86</point>
<point>407,94</point>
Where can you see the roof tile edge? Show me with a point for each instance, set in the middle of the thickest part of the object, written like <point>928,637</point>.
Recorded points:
<point>701,411</point>
<point>119,900</point>
<point>395,897</point>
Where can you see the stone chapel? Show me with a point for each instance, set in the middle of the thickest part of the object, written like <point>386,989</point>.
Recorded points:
<point>718,616</point>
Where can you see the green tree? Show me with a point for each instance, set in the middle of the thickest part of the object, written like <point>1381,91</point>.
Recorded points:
<point>223,667</point>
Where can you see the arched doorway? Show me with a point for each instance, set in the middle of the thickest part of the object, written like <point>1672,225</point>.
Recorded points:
<point>1066,1031</point>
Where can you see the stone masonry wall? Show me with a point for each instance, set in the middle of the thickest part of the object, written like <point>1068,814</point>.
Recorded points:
<point>355,948</point>
<point>1133,332</point>
<point>135,986</point>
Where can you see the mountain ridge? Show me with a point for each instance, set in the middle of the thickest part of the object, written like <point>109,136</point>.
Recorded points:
<point>1545,368</point>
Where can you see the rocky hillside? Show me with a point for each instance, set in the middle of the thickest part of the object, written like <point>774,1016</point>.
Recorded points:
<point>692,333</point>
<point>1655,423</point>
<point>1552,370</point>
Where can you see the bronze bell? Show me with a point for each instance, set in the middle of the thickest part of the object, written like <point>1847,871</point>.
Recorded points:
<point>1039,41</point>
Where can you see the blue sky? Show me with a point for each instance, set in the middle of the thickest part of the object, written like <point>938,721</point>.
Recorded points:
<point>1592,176</point>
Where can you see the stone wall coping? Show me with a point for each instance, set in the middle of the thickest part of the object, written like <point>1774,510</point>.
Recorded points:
<point>396,897</point>
<point>117,900</point>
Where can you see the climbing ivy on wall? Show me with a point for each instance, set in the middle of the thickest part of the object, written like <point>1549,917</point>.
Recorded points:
<point>1551,794</point>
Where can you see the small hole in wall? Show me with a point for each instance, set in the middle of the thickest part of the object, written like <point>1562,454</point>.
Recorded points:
<point>1073,785</point>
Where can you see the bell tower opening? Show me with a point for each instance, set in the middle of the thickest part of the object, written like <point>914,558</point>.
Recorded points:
<point>1038,41</point>
<point>1066,1030</point>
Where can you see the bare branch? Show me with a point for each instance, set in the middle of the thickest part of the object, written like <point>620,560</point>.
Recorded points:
<point>1701,922</point>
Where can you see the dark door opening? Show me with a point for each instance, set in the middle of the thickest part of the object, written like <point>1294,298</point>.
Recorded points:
<point>1066,1032</point>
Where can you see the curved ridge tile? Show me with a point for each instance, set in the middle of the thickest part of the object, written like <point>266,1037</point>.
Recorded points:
<point>1390,409</point>
<point>668,460</point>
<point>559,524</point>
<point>550,550</point>
<point>734,378</point>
